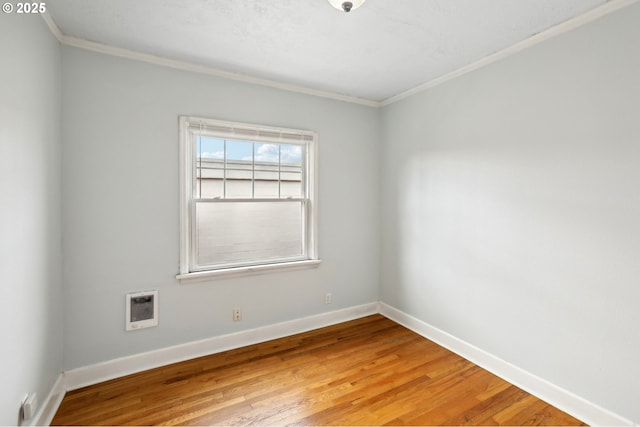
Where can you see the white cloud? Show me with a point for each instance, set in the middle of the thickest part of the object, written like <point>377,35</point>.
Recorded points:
<point>267,153</point>
<point>291,153</point>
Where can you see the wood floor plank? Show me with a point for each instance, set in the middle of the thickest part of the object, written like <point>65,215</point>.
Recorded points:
<point>369,371</point>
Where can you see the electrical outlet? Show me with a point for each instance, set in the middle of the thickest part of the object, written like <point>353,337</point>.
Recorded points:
<point>237,314</point>
<point>327,298</point>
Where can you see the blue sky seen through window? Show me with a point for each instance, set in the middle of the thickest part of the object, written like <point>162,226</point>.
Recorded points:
<point>214,148</point>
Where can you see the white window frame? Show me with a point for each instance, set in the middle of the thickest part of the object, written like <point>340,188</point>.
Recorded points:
<point>190,127</point>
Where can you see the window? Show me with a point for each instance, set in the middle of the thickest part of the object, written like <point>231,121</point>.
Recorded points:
<point>247,198</point>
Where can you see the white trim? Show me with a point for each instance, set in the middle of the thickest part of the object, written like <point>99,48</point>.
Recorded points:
<point>565,400</point>
<point>53,27</point>
<point>308,140</point>
<point>226,273</point>
<point>51,403</point>
<point>187,66</point>
<point>571,24</point>
<point>93,374</point>
<point>186,175</point>
<point>575,405</point>
<point>312,195</point>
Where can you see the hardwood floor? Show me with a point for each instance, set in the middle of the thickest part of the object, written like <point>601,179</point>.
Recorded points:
<point>369,371</point>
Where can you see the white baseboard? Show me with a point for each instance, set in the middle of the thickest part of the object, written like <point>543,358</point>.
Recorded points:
<point>575,405</point>
<point>50,404</point>
<point>93,374</point>
<point>560,398</point>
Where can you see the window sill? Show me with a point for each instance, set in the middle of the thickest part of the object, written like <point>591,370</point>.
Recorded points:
<point>202,276</point>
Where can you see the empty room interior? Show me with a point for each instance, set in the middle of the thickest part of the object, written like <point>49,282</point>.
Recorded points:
<point>415,212</point>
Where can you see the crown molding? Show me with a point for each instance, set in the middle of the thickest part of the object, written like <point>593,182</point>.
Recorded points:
<point>53,27</point>
<point>571,24</point>
<point>201,69</point>
<point>195,68</point>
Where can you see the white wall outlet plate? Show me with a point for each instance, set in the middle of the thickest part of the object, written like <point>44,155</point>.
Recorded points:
<point>327,298</point>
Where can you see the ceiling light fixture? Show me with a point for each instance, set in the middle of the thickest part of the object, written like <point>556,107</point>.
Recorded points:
<point>346,6</point>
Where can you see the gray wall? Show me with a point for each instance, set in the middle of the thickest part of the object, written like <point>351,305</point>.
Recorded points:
<point>511,214</point>
<point>121,222</point>
<point>30,214</point>
<point>508,198</point>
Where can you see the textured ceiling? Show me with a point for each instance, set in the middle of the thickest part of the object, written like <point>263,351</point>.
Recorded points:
<point>380,50</point>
